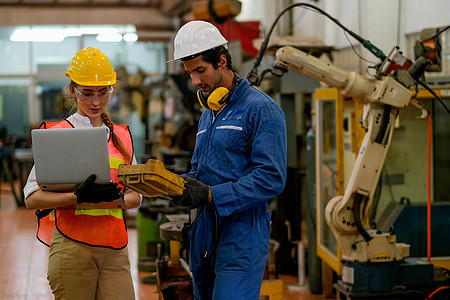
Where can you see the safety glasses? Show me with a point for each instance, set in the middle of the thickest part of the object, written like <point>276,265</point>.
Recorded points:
<point>91,96</point>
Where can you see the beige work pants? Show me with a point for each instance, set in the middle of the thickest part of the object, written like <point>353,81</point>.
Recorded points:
<point>78,271</point>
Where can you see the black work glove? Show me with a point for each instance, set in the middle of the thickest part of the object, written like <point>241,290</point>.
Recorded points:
<point>195,194</point>
<point>90,192</point>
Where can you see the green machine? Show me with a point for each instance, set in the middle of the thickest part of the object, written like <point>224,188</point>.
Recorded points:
<point>151,247</point>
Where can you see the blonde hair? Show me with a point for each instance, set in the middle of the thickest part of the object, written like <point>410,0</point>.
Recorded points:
<point>105,118</point>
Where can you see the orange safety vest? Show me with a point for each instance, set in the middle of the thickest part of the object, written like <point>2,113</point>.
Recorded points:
<point>94,227</point>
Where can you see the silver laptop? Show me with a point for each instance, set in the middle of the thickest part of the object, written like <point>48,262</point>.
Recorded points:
<point>65,157</point>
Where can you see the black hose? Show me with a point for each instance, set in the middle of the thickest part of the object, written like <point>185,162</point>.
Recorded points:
<point>357,216</point>
<point>436,35</point>
<point>253,74</point>
<point>434,94</point>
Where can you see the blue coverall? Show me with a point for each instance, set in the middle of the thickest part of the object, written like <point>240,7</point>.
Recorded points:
<point>241,155</point>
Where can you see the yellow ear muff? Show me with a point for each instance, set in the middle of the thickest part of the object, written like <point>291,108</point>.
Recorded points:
<point>216,100</point>
<point>202,100</point>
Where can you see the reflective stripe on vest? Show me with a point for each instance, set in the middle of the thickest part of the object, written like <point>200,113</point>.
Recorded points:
<point>117,213</point>
<point>95,227</point>
<point>114,162</point>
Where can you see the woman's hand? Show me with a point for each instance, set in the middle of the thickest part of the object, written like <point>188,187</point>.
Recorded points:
<point>90,192</point>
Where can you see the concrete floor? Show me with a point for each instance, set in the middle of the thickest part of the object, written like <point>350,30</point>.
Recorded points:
<point>23,259</point>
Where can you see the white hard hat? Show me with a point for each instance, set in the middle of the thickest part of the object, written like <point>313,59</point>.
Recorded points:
<point>195,37</point>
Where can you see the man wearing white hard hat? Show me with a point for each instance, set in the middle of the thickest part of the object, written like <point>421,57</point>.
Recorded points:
<point>238,165</point>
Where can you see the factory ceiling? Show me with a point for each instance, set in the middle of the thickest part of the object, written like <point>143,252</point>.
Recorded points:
<point>159,18</point>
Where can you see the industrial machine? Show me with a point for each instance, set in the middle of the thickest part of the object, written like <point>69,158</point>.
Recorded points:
<point>370,257</point>
<point>375,266</point>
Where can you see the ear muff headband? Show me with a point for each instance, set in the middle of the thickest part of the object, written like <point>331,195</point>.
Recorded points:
<point>218,98</point>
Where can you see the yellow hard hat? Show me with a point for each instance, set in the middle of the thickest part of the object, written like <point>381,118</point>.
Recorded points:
<point>91,67</point>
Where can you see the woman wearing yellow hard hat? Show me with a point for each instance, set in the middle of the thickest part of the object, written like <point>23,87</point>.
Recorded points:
<point>88,247</point>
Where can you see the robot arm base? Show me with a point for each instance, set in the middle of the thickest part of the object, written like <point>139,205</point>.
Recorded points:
<point>381,248</point>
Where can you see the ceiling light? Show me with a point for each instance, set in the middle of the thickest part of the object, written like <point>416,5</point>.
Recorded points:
<point>98,30</point>
<point>39,35</point>
<point>79,31</point>
<point>130,37</point>
<point>109,37</point>
<point>104,34</point>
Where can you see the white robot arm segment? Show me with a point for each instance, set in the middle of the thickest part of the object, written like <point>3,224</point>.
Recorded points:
<point>384,91</point>
<point>382,99</point>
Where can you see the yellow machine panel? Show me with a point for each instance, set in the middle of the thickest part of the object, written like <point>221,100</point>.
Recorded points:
<point>338,138</point>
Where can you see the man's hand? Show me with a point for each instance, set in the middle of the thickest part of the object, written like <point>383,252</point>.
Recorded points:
<point>195,194</point>
<point>91,192</point>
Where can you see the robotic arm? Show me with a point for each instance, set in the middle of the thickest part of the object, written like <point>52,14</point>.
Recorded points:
<point>382,98</point>
<point>387,91</point>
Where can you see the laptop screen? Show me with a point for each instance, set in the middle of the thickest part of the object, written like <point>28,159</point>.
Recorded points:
<point>65,157</point>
